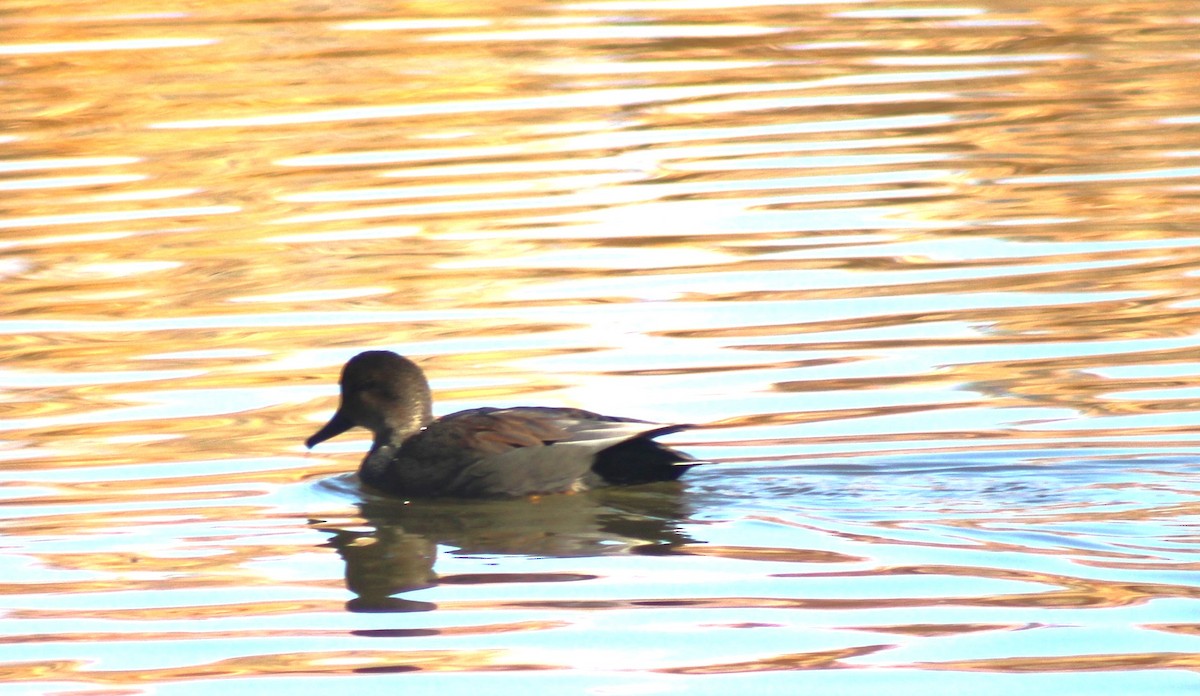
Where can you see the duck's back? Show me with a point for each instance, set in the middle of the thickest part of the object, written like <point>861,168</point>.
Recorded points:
<point>491,452</point>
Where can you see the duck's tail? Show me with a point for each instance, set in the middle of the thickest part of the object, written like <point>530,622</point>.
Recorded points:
<point>642,460</point>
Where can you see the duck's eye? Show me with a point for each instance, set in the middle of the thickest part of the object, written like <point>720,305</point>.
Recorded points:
<point>378,390</point>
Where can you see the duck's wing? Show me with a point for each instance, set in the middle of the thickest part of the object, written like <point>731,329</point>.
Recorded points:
<point>522,451</point>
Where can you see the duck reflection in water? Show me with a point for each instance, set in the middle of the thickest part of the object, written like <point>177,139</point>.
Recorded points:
<point>488,452</point>
<point>396,549</point>
<point>483,481</point>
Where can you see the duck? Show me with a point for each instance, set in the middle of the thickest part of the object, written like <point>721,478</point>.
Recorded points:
<point>488,452</point>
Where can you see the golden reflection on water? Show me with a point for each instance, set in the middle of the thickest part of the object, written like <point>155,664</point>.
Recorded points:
<point>925,272</point>
<point>334,662</point>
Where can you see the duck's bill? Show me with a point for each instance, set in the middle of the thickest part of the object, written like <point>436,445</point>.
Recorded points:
<point>337,425</point>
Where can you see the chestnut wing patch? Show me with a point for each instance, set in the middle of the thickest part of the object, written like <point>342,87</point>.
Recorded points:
<point>494,432</point>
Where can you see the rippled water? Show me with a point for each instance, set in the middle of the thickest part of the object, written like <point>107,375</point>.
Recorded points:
<point>927,275</point>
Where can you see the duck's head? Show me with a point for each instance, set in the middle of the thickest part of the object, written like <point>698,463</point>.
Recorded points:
<point>382,392</point>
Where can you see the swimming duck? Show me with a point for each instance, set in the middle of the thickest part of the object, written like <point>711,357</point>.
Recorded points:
<point>488,452</point>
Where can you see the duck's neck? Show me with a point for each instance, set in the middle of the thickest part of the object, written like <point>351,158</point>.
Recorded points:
<point>401,425</point>
<point>379,463</point>
<point>375,464</point>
